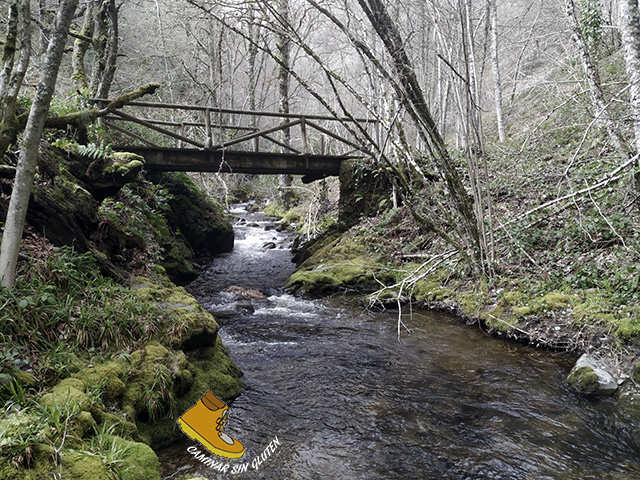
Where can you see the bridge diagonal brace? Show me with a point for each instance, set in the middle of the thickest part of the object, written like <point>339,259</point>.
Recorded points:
<point>336,136</point>
<point>282,144</point>
<point>133,119</point>
<point>261,133</point>
<point>131,134</point>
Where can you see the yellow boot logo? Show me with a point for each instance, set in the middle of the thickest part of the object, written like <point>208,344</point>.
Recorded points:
<point>205,423</point>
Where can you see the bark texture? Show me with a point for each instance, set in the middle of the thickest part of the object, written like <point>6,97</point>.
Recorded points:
<point>25,171</point>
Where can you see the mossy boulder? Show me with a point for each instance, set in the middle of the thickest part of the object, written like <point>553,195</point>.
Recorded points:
<point>105,378</point>
<point>589,377</point>
<point>26,379</point>
<point>177,260</point>
<point>200,219</point>
<point>583,380</point>
<point>340,263</point>
<point>65,211</point>
<point>188,325</point>
<point>70,392</point>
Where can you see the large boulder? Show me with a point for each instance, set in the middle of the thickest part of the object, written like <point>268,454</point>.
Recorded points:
<point>201,220</point>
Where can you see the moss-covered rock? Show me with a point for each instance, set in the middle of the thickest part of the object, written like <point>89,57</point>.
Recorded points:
<point>200,219</point>
<point>70,392</point>
<point>339,263</point>
<point>26,379</point>
<point>583,380</point>
<point>106,378</point>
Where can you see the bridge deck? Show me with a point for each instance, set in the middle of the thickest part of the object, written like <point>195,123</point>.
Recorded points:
<point>313,167</point>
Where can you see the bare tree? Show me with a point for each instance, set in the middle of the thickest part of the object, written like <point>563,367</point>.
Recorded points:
<point>25,172</point>
<point>595,85</point>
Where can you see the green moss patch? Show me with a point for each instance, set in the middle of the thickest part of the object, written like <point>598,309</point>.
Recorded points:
<point>342,262</point>
<point>583,380</point>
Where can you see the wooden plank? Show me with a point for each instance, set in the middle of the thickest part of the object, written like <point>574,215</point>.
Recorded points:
<point>240,112</point>
<point>188,124</point>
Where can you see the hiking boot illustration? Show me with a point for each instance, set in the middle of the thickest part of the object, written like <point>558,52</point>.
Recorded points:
<point>205,422</point>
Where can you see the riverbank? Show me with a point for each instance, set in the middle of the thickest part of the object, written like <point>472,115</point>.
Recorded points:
<point>388,263</point>
<point>100,348</point>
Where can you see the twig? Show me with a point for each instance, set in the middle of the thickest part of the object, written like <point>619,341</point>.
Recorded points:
<point>612,176</point>
<point>524,332</point>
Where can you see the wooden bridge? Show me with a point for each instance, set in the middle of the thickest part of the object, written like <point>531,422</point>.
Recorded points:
<point>194,138</point>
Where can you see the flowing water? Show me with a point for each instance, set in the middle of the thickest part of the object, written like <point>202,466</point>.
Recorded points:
<point>332,393</point>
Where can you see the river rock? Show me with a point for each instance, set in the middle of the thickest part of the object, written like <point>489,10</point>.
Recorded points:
<point>269,245</point>
<point>589,376</point>
<point>245,292</point>
<point>245,306</point>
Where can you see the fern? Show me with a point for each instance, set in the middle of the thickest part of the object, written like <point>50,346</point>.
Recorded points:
<point>95,152</point>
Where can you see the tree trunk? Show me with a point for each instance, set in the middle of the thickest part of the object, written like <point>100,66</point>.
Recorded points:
<point>630,30</point>
<point>593,79</point>
<point>415,103</point>
<point>495,63</point>
<point>80,47</point>
<point>284,55</point>
<point>18,41</point>
<point>19,202</point>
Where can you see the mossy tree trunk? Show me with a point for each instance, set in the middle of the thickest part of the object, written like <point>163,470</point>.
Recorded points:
<point>99,31</point>
<point>29,147</point>
<point>17,44</point>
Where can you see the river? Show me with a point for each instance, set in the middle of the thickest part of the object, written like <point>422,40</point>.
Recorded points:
<point>332,393</point>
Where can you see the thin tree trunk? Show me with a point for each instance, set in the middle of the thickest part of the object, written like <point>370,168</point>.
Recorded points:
<point>111,50</point>
<point>284,54</point>
<point>25,171</point>
<point>80,47</point>
<point>593,79</point>
<point>495,63</point>
<point>18,41</point>
<point>630,30</point>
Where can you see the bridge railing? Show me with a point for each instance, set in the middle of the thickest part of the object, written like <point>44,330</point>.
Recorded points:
<point>164,125</point>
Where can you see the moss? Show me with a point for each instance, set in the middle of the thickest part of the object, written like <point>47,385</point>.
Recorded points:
<point>70,392</point>
<point>110,374</point>
<point>81,466</point>
<point>430,290</point>
<point>340,263</point>
<point>120,169</point>
<point>583,380</point>
<point>556,300</point>
<point>25,379</point>
<point>85,424</point>
<point>140,461</point>
<point>41,468</point>
<point>629,329</point>
<point>117,423</point>
<point>472,303</point>
<point>199,329</point>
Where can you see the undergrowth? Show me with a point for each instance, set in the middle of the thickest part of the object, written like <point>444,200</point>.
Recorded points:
<point>62,307</point>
